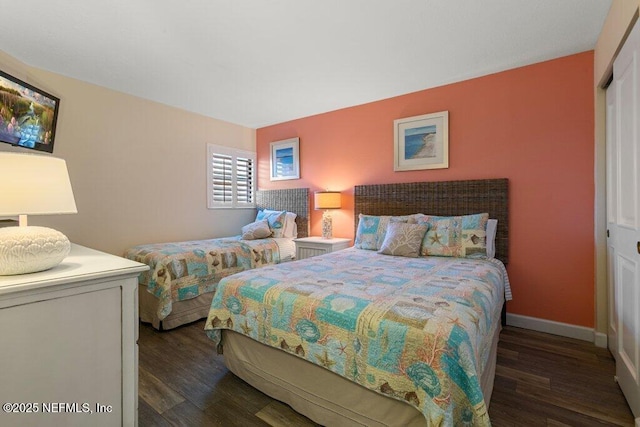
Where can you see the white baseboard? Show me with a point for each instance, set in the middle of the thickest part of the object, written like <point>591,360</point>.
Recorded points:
<point>601,340</point>
<point>557,328</point>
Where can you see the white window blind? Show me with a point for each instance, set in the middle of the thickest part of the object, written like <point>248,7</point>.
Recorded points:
<point>230,177</point>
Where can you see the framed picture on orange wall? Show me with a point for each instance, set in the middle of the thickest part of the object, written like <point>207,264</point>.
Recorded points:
<point>421,142</point>
<point>285,159</point>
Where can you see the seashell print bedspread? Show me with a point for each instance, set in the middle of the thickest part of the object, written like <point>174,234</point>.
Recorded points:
<point>185,270</point>
<point>415,329</point>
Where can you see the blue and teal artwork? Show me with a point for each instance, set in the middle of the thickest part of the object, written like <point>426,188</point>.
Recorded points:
<point>420,142</point>
<point>284,161</point>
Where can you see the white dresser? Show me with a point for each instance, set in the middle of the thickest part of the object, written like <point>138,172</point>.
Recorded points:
<point>69,343</point>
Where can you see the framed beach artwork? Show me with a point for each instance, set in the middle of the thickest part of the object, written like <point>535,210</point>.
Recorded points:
<point>421,142</point>
<point>285,159</point>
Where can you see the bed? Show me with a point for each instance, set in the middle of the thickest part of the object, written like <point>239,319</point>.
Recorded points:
<point>183,275</point>
<point>356,337</point>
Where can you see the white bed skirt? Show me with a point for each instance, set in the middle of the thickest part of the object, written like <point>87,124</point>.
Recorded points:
<point>322,395</point>
<point>182,312</point>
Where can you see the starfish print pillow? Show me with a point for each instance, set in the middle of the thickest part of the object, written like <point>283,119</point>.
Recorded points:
<point>455,236</point>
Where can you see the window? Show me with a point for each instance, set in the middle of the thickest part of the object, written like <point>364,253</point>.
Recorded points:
<point>230,177</point>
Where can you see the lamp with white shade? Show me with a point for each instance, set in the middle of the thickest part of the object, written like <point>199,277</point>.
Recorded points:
<point>327,200</point>
<point>33,185</point>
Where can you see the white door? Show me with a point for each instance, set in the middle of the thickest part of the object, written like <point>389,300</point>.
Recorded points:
<point>611,218</point>
<point>623,216</point>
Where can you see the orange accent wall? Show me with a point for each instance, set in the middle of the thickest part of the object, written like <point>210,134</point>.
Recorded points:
<point>533,125</point>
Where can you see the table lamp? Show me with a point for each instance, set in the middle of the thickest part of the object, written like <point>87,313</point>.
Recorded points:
<point>327,200</point>
<point>33,185</point>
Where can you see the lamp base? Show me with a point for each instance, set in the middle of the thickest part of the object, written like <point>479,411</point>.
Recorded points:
<point>30,249</point>
<point>327,225</point>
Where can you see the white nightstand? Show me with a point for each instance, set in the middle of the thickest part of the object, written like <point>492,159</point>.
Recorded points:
<point>307,247</point>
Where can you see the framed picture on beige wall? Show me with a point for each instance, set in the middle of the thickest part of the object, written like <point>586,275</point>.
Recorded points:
<point>285,159</point>
<point>421,142</point>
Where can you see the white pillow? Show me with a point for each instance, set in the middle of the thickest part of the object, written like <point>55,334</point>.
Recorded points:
<point>290,226</point>
<point>492,227</point>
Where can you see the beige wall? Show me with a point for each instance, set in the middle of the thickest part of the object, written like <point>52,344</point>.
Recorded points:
<point>620,20</point>
<point>138,168</point>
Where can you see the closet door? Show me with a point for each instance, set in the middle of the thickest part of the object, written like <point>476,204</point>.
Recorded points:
<point>612,160</point>
<point>623,202</point>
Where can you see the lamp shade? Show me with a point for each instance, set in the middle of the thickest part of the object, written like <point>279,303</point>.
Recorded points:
<point>327,200</point>
<point>34,185</point>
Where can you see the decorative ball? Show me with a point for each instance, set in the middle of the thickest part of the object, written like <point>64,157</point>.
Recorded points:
<point>30,249</point>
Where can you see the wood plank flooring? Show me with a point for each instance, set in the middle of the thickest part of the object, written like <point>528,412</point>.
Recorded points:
<point>541,380</point>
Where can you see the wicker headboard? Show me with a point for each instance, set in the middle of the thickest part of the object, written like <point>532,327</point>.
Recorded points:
<point>440,198</point>
<point>294,200</point>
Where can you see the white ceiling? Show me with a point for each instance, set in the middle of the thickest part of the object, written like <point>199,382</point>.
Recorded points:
<point>260,62</point>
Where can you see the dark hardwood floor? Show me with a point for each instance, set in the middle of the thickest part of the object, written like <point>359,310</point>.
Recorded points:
<point>541,380</point>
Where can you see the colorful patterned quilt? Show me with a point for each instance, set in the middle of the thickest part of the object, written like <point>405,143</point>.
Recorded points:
<point>184,270</point>
<point>415,329</point>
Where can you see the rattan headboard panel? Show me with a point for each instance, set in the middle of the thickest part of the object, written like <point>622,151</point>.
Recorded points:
<point>294,200</point>
<point>440,198</point>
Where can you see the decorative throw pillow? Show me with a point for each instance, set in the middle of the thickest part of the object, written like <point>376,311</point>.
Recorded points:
<point>372,229</point>
<point>403,239</point>
<point>455,236</point>
<point>256,230</point>
<point>275,219</point>
<point>290,226</point>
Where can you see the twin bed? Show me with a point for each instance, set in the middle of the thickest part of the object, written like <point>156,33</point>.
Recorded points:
<point>362,337</point>
<point>178,287</point>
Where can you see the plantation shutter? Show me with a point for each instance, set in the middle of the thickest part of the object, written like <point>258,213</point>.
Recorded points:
<point>231,177</point>
<point>244,180</point>
<point>222,178</point>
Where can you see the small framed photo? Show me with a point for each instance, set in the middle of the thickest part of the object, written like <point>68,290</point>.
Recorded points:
<point>285,159</point>
<point>421,142</point>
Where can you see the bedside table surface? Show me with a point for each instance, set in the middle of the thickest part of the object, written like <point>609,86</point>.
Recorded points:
<point>319,239</point>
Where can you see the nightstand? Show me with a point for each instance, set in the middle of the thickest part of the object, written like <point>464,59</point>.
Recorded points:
<point>306,247</point>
